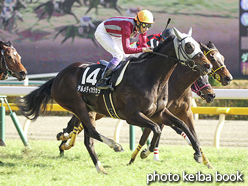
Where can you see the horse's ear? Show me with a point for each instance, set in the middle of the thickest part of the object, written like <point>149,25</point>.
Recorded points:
<point>9,44</point>
<point>204,46</point>
<point>211,45</point>
<point>178,34</point>
<point>190,31</point>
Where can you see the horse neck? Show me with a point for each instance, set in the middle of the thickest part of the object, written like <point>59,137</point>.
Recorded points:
<point>161,68</point>
<point>182,78</point>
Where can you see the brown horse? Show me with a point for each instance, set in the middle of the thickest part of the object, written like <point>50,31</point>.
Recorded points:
<point>180,104</point>
<point>140,98</point>
<point>201,87</point>
<point>11,62</point>
<point>179,99</point>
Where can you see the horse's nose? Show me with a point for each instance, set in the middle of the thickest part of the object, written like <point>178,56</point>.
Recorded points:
<point>23,74</point>
<point>211,97</point>
<point>228,78</point>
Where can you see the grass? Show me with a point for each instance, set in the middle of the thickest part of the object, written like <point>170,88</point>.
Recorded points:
<point>42,165</point>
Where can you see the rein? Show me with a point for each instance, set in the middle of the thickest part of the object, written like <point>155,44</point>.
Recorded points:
<point>213,73</point>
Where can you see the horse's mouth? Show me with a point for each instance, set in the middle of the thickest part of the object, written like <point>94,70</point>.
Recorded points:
<point>210,97</point>
<point>20,76</point>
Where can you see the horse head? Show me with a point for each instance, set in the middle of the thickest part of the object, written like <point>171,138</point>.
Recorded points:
<point>219,72</point>
<point>11,61</point>
<point>189,51</point>
<point>203,89</point>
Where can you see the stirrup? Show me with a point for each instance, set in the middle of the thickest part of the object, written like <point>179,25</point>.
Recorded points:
<point>102,84</point>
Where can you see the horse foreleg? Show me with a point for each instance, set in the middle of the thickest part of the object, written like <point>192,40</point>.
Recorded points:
<point>141,120</point>
<point>142,142</point>
<point>170,120</point>
<point>187,117</point>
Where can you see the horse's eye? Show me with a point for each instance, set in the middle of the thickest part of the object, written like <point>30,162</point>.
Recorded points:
<point>189,46</point>
<point>9,57</point>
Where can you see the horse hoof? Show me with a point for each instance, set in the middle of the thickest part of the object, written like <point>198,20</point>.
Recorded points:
<point>130,162</point>
<point>143,155</point>
<point>118,148</point>
<point>198,158</point>
<point>58,135</point>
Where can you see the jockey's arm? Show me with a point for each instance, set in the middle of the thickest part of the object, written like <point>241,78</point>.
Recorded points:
<point>126,46</point>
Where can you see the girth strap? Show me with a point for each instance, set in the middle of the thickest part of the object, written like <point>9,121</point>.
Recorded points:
<point>109,104</point>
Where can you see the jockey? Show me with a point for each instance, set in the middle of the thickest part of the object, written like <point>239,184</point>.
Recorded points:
<point>114,35</point>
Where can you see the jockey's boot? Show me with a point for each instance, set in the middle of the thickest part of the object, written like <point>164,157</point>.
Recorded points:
<point>102,83</point>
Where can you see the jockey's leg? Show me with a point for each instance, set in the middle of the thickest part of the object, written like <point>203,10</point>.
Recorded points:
<point>112,46</point>
<point>102,83</point>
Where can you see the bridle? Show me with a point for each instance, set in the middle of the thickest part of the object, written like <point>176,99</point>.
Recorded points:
<point>3,63</point>
<point>198,89</point>
<point>180,52</point>
<point>213,73</point>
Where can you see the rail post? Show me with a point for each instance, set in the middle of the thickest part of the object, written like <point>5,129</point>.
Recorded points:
<point>2,119</point>
<point>132,137</point>
<point>17,124</point>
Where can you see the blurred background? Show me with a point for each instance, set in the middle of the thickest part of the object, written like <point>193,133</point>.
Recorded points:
<point>51,34</point>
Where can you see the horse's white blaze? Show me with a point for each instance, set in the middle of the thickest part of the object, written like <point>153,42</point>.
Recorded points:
<point>218,55</point>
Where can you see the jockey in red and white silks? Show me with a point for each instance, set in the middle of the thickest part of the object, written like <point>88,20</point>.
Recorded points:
<point>114,35</point>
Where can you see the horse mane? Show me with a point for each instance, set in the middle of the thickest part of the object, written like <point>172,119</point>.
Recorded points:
<point>145,55</point>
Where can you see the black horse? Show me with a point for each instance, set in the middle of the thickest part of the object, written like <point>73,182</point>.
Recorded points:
<point>64,7</point>
<point>140,98</point>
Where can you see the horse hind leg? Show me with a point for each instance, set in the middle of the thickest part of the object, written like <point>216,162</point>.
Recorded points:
<point>67,134</point>
<point>89,144</point>
<point>88,121</point>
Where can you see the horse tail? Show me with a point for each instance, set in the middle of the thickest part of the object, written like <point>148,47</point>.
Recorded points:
<point>35,103</point>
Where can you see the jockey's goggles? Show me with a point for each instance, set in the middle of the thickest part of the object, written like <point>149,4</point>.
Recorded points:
<point>145,25</point>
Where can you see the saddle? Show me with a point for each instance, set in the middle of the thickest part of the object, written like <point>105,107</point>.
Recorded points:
<point>92,73</point>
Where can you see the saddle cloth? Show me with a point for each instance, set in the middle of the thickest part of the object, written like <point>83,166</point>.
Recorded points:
<point>92,73</point>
